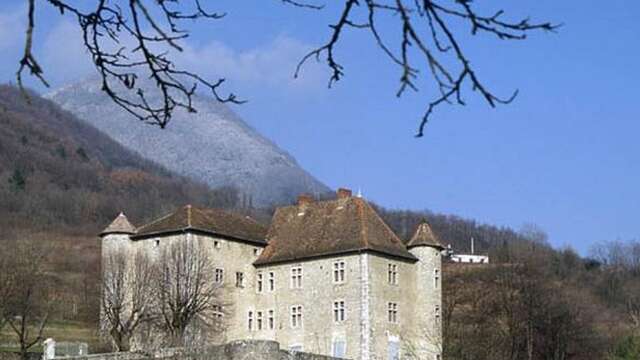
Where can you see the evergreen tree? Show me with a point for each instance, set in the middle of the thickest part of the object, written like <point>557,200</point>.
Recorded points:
<point>18,180</point>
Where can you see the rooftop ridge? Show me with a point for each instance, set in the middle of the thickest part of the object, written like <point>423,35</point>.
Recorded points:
<point>336,226</point>
<point>158,219</point>
<point>214,221</point>
<point>389,229</point>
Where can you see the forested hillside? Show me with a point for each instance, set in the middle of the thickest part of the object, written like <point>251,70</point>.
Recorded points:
<point>58,173</point>
<point>457,232</point>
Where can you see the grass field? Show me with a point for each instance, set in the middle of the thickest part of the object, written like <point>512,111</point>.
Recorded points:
<point>59,331</point>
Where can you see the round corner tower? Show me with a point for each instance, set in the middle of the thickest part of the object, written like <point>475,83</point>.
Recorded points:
<point>116,237</point>
<point>425,246</point>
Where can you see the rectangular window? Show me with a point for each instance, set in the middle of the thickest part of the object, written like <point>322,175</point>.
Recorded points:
<point>437,313</point>
<point>271,320</point>
<point>339,349</point>
<point>239,280</point>
<point>296,277</point>
<point>392,274</point>
<point>338,271</point>
<point>338,311</point>
<point>218,314</point>
<point>259,282</point>
<point>219,275</point>
<point>392,309</point>
<point>436,278</point>
<point>259,320</point>
<point>216,244</point>
<point>250,320</point>
<point>296,316</point>
<point>272,281</point>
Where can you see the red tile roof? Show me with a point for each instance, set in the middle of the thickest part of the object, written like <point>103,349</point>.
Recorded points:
<point>213,221</point>
<point>333,227</point>
<point>424,236</point>
<point>120,225</point>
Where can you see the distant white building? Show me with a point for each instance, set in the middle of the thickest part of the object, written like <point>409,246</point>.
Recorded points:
<point>467,258</point>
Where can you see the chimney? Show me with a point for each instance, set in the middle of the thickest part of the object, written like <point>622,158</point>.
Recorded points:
<point>304,199</point>
<point>344,193</point>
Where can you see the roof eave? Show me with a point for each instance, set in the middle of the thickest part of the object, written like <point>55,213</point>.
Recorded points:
<point>411,246</point>
<point>105,233</point>
<point>142,236</point>
<point>409,257</point>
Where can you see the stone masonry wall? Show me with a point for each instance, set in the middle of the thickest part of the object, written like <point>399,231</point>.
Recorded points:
<point>236,350</point>
<point>366,332</point>
<point>319,332</point>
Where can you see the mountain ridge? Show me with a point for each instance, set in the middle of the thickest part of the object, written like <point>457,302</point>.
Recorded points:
<point>214,146</point>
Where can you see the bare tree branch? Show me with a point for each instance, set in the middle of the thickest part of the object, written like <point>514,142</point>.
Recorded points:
<point>106,31</point>
<point>127,296</point>
<point>189,300</point>
<point>427,40</point>
<point>425,28</point>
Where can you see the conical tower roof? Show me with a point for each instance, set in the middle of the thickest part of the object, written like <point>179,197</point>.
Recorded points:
<point>120,225</point>
<point>424,236</point>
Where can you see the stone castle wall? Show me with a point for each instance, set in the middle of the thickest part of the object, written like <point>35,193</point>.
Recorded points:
<point>236,350</point>
<point>427,322</point>
<point>319,332</point>
<point>366,331</point>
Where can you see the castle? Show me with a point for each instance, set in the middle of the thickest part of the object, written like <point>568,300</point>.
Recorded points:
<point>327,277</point>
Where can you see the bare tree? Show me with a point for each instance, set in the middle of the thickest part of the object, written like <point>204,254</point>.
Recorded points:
<point>26,310</point>
<point>127,296</point>
<point>6,287</point>
<point>189,297</point>
<point>427,43</point>
<point>517,311</point>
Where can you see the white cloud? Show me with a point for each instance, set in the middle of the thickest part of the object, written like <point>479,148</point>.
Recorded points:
<point>271,65</point>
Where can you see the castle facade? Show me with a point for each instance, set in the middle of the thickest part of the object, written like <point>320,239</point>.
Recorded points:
<point>327,277</point>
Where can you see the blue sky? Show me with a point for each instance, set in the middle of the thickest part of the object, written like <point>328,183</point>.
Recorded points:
<point>564,155</point>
